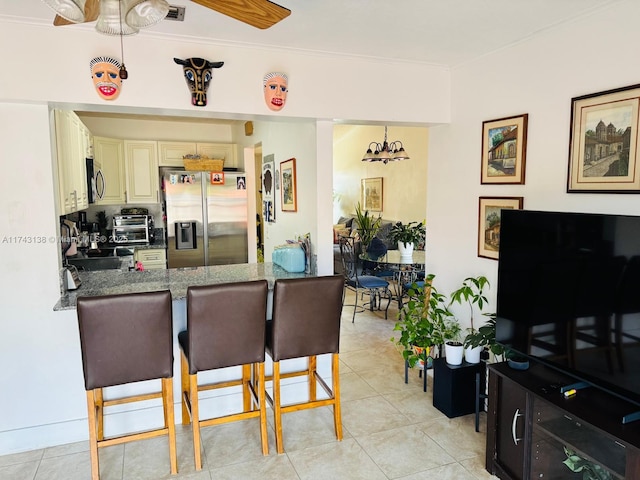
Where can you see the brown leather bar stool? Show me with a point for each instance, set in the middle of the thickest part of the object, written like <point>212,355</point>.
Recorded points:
<point>306,323</point>
<point>225,328</point>
<point>124,339</point>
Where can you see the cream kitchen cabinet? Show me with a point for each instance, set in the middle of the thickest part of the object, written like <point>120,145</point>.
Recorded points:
<point>172,153</point>
<point>109,171</point>
<point>152,258</point>
<point>73,146</point>
<point>141,164</point>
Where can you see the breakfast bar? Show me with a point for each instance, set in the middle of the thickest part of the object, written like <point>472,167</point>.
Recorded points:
<point>176,280</point>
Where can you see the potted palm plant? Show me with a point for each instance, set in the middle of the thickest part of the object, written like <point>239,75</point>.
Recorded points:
<point>407,235</point>
<point>425,323</point>
<point>472,293</point>
<point>367,226</point>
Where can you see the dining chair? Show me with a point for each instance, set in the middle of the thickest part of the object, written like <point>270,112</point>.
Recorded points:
<point>126,338</point>
<point>306,323</point>
<point>376,287</point>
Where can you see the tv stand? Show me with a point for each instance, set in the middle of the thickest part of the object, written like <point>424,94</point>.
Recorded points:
<point>531,427</point>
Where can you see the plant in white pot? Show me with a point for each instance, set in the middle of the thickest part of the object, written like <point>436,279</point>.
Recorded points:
<point>472,293</point>
<point>407,236</point>
<point>425,323</point>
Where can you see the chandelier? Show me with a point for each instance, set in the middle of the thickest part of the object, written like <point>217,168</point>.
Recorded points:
<point>385,152</point>
<point>116,17</point>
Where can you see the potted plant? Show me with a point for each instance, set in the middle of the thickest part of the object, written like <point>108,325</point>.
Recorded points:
<point>367,226</point>
<point>472,293</point>
<point>424,323</point>
<point>485,336</point>
<point>407,236</point>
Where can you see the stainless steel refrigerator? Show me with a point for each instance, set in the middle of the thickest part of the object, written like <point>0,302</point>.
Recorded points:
<point>206,218</point>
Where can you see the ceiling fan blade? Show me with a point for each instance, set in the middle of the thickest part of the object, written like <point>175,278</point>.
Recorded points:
<point>257,13</point>
<point>91,11</point>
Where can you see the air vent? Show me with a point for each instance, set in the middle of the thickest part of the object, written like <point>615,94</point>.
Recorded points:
<point>175,13</point>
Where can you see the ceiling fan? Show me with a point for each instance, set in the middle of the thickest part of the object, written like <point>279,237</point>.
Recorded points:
<point>257,13</point>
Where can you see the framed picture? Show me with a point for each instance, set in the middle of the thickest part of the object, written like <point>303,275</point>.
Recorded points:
<point>268,180</point>
<point>603,146</point>
<point>489,223</point>
<point>217,178</point>
<point>371,194</point>
<point>288,187</point>
<point>504,149</point>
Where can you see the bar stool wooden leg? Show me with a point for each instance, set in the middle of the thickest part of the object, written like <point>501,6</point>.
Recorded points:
<point>277,409</point>
<point>184,389</point>
<point>93,434</point>
<point>246,392</point>
<point>335,379</point>
<point>195,420</point>
<point>167,400</point>
<point>313,366</point>
<point>99,409</point>
<point>263,409</point>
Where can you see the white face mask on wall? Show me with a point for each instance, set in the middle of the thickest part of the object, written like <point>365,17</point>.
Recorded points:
<point>275,90</point>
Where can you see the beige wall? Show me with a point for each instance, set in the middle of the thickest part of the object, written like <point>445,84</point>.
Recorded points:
<point>404,182</point>
<point>538,77</point>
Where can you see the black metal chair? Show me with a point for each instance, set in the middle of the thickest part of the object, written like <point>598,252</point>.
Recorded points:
<point>377,288</point>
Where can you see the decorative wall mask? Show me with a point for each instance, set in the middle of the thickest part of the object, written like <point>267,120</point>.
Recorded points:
<point>275,90</point>
<point>197,73</point>
<point>105,75</point>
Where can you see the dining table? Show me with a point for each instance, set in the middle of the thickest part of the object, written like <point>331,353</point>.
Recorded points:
<point>402,269</point>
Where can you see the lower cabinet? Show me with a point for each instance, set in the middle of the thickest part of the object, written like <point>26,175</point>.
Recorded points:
<point>534,432</point>
<point>511,419</point>
<point>151,259</point>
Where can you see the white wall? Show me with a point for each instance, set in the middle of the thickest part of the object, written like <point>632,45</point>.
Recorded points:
<point>539,77</point>
<point>404,182</point>
<point>56,69</point>
<point>285,141</point>
<point>50,66</point>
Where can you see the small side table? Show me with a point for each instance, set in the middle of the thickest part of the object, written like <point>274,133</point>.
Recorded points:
<point>422,372</point>
<point>454,386</point>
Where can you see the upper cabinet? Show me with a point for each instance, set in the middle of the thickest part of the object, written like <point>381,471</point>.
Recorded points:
<point>73,146</point>
<point>172,153</point>
<point>109,171</point>
<point>141,163</point>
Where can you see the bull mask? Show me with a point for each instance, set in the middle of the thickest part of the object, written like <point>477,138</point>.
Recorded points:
<point>197,73</point>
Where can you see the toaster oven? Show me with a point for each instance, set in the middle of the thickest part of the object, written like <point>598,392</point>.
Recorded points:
<point>131,228</point>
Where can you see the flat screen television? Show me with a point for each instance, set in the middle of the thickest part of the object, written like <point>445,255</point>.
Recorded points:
<point>568,295</point>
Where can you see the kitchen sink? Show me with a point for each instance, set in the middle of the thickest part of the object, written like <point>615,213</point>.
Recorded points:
<point>96,263</point>
<point>102,252</point>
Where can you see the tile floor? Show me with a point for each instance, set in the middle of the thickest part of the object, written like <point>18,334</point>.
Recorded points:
<point>391,431</point>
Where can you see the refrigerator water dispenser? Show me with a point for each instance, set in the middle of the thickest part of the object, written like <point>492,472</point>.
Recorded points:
<point>185,235</point>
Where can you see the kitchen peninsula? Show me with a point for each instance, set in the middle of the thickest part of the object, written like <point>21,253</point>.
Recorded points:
<point>176,280</point>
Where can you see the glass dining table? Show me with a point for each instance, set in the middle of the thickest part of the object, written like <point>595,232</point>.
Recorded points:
<point>402,269</point>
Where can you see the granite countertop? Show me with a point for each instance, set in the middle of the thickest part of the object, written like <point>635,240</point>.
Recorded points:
<point>177,280</point>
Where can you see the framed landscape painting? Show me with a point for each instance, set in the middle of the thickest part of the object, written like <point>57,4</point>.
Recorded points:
<point>371,189</point>
<point>489,223</point>
<point>288,187</point>
<point>504,148</point>
<point>603,147</point>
